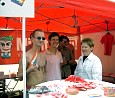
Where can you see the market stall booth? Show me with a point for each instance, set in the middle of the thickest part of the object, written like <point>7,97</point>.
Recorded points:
<point>64,17</point>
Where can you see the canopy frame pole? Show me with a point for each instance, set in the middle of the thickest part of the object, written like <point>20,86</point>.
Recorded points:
<point>24,55</point>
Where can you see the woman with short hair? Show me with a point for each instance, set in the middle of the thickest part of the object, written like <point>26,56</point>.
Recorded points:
<point>89,65</point>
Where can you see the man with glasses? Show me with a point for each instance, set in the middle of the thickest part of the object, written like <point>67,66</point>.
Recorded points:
<point>68,58</point>
<point>73,64</point>
<point>35,60</point>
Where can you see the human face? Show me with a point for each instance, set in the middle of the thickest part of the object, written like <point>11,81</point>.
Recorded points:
<point>5,46</point>
<point>39,38</point>
<point>64,42</point>
<point>86,49</point>
<point>54,41</point>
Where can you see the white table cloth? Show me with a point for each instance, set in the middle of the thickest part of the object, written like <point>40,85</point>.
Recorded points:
<point>61,85</point>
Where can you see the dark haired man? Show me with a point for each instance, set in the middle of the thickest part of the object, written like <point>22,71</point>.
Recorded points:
<point>67,56</point>
<point>53,58</point>
<point>72,48</point>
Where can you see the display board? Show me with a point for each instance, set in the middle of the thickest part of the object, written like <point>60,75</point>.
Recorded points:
<point>17,8</point>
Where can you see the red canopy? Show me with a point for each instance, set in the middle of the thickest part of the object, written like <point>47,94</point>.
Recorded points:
<point>68,16</point>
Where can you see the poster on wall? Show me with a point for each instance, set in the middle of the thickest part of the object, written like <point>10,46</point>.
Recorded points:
<point>11,45</point>
<point>8,49</point>
<point>17,8</point>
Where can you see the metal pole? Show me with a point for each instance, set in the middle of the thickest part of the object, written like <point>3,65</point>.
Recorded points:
<point>24,55</point>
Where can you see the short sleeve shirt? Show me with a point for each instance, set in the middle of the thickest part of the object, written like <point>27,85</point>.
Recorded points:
<point>108,41</point>
<point>53,71</point>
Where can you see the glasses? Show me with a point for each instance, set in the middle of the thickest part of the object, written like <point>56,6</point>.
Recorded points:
<point>64,41</point>
<point>40,38</point>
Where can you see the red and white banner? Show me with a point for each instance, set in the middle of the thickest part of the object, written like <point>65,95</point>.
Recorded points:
<point>11,45</point>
